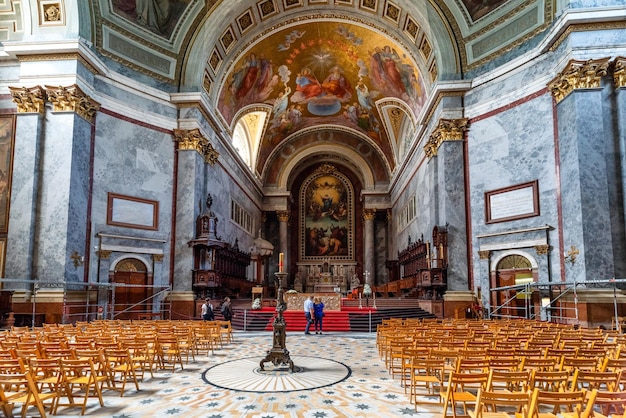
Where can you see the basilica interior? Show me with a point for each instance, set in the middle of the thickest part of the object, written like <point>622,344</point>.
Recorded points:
<point>454,153</point>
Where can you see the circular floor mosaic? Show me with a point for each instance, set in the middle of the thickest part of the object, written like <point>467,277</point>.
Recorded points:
<point>246,375</point>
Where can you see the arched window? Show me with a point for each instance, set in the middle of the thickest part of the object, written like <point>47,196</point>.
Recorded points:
<point>241,142</point>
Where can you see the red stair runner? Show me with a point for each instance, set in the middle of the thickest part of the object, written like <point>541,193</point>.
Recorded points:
<point>333,321</point>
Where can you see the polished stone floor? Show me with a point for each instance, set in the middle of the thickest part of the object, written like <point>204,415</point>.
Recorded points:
<point>335,375</point>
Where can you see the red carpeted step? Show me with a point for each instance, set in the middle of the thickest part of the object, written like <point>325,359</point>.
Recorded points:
<point>333,321</point>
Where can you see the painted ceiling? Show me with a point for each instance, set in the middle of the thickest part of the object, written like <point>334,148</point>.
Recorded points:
<point>358,71</point>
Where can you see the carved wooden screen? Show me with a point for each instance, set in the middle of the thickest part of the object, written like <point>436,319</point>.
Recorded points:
<point>326,216</point>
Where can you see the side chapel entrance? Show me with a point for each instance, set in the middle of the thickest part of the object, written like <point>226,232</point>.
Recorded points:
<point>131,296</point>
<point>511,270</point>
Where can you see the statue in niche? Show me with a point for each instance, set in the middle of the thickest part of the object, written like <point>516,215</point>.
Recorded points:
<point>355,282</point>
<point>297,283</point>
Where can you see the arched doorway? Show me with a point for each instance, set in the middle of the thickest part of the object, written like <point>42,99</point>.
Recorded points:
<point>133,288</point>
<point>510,270</point>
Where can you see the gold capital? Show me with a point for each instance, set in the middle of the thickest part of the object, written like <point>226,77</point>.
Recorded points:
<point>446,130</point>
<point>192,140</point>
<point>29,99</point>
<point>484,254</point>
<point>72,99</point>
<point>542,249</point>
<point>369,214</point>
<point>578,75</point>
<point>619,72</point>
<point>157,258</point>
<point>283,215</point>
<point>103,254</point>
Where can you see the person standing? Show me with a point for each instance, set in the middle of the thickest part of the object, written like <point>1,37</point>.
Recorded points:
<point>207,310</point>
<point>309,313</point>
<point>227,309</point>
<point>319,314</point>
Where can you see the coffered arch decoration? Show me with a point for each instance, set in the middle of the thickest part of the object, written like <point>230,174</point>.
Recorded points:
<point>326,213</point>
<point>361,157</point>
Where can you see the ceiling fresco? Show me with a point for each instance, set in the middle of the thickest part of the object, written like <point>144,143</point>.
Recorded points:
<point>158,16</point>
<point>325,73</point>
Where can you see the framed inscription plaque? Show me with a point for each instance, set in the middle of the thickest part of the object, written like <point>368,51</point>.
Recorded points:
<point>513,202</point>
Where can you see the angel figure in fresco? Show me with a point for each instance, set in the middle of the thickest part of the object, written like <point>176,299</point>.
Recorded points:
<point>387,72</point>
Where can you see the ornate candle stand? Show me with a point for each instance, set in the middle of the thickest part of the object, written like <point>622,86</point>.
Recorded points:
<point>279,354</point>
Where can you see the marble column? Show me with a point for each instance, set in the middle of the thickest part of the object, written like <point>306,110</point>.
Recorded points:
<point>446,146</point>
<point>369,259</point>
<point>22,217</point>
<point>283,227</point>
<point>586,163</point>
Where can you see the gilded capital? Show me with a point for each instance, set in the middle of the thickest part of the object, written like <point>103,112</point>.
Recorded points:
<point>446,130</point>
<point>103,254</point>
<point>157,258</point>
<point>72,99</point>
<point>369,214</point>
<point>578,75</point>
<point>484,254</point>
<point>619,72</point>
<point>542,249</point>
<point>283,215</point>
<point>192,140</point>
<point>29,99</point>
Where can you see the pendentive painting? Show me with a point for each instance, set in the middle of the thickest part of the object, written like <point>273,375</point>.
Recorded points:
<point>6,162</point>
<point>327,218</point>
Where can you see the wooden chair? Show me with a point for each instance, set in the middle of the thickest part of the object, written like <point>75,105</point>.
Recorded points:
<point>607,380</point>
<point>539,363</point>
<point>226,329</point>
<point>20,388</point>
<point>122,368</point>
<point>79,379</point>
<point>609,403</point>
<point>427,380</point>
<point>501,404</point>
<point>552,381</point>
<point>462,388</point>
<point>168,351</point>
<point>509,380</point>
<point>568,404</point>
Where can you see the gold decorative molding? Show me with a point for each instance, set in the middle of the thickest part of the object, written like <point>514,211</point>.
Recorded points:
<point>369,214</point>
<point>578,75</point>
<point>157,258</point>
<point>283,215</point>
<point>389,215</point>
<point>103,254</point>
<point>619,72</point>
<point>72,99</point>
<point>326,168</point>
<point>484,254</point>
<point>192,140</point>
<point>29,99</point>
<point>542,249</point>
<point>446,130</point>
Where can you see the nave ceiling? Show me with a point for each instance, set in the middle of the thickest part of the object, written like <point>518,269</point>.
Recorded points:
<point>348,78</point>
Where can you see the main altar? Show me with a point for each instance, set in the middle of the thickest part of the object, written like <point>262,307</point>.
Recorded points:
<point>325,278</point>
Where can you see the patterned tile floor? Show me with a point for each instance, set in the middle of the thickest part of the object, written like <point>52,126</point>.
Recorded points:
<point>366,391</point>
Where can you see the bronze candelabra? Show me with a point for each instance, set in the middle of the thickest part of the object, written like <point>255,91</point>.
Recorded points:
<point>279,355</point>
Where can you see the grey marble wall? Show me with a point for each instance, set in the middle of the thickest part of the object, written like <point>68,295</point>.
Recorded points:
<point>136,161</point>
<point>511,147</point>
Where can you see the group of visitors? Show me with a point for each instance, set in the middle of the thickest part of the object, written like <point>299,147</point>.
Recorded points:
<point>314,314</point>
<point>226,310</point>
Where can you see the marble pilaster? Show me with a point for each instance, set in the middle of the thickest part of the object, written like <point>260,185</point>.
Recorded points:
<point>585,137</point>
<point>22,217</point>
<point>189,203</point>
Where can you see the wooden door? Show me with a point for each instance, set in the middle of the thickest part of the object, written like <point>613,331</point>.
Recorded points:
<point>130,301</point>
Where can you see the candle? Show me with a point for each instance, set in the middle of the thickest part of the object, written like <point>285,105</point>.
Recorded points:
<point>281,258</point>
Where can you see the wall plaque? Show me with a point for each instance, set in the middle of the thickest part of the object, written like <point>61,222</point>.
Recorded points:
<point>513,202</point>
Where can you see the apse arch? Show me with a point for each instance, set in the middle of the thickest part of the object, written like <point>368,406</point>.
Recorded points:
<point>365,172</point>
